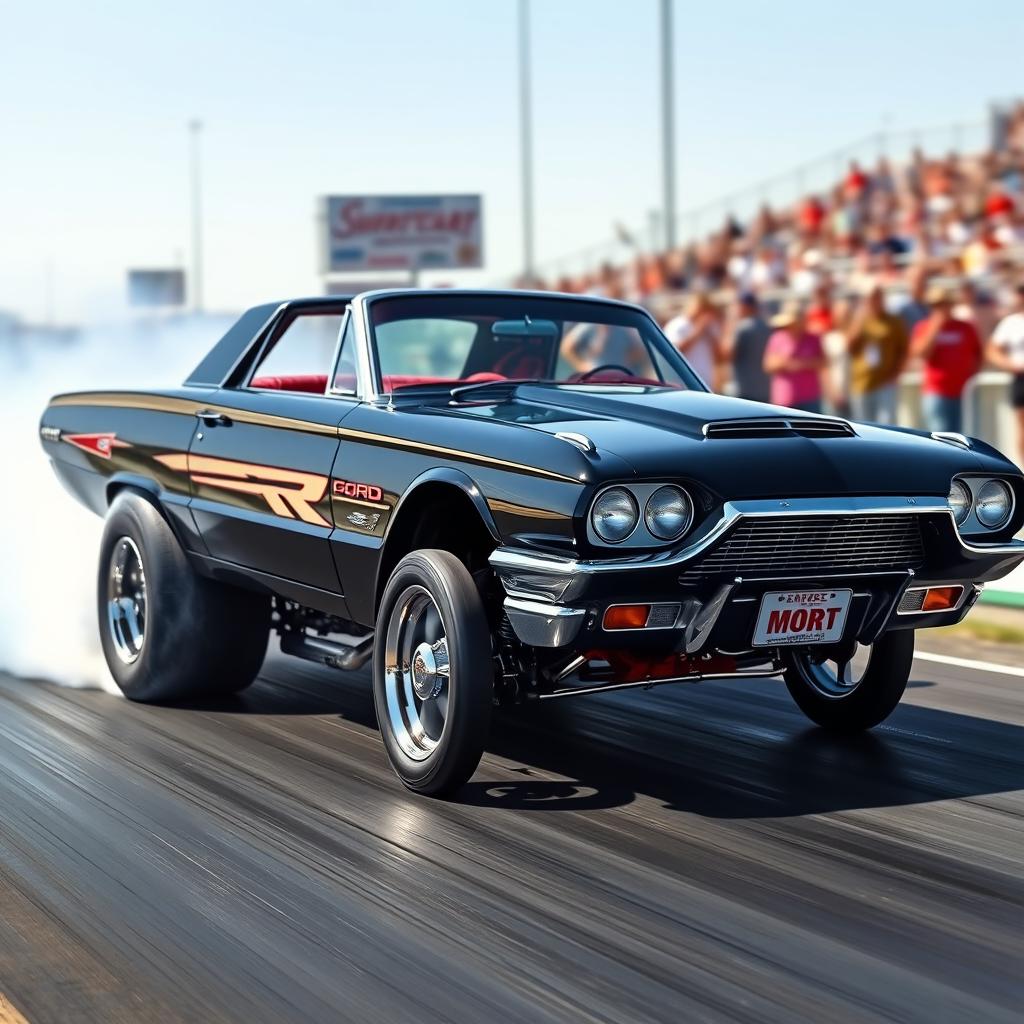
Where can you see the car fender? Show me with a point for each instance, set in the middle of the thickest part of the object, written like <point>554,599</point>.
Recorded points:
<point>459,479</point>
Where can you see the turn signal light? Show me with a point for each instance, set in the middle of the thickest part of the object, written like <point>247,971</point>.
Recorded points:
<point>627,616</point>
<point>940,599</point>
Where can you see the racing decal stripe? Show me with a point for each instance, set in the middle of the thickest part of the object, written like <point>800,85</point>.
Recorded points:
<point>451,453</point>
<point>102,445</point>
<point>288,492</point>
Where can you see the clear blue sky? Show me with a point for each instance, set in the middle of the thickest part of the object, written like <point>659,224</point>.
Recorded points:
<point>318,96</point>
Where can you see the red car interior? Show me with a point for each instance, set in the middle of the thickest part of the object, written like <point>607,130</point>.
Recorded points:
<point>316,384</point>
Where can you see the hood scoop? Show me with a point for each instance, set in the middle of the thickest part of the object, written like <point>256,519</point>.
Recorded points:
<point>778,426</point>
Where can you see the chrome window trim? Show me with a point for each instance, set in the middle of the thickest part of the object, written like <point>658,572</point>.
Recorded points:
<point>259,340</point>
<point>368,382</point>
<point>364,300</point>
<point>267,333</point>
<point>332,374</point>
<point>518,558</point>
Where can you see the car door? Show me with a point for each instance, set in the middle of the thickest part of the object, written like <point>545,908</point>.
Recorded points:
<point>261,458</point>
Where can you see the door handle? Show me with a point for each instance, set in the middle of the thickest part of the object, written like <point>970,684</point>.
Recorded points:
<point>212,418</point>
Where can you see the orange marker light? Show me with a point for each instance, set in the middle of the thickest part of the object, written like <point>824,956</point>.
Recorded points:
<point>940,599</point>
<point>627,616</point>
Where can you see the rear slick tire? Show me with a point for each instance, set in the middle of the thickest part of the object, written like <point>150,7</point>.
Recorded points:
<point>433,673</point>
<point>852,708</point>
<point>169,634</point>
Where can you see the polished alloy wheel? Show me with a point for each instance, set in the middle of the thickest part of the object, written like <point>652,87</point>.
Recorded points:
<point>126,600</point>
<point>417,673</point>
<point>835,677</point>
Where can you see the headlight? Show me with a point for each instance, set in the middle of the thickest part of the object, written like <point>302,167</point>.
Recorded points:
<point>614,515</point>
<point>995,500</point>
<point>668,513</point>
<point>959,501</point>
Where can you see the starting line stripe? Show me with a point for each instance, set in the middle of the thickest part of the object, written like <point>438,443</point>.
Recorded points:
<point>980,666</point>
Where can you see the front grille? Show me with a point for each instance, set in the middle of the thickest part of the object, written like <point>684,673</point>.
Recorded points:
<point>778,427</point>
<point>805,545</point>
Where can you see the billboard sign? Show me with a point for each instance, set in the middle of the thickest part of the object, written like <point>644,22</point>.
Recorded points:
<point>156,287</point>
<point>403,233</point>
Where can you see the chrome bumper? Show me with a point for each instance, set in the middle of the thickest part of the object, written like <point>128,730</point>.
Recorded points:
<point>541,624</point>
<point>544,590</point>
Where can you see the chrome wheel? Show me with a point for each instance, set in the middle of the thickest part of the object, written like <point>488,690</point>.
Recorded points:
<point>835,677</point>
<point>417,673</point>
<point>126,600</point>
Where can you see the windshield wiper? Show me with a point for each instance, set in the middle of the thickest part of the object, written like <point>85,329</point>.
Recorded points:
<point>481,385</point>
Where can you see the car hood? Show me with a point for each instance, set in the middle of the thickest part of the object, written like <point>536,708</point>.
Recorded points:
<point>660,434</point>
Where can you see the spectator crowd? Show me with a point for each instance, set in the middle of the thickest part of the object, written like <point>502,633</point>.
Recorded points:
<point>825,304</point>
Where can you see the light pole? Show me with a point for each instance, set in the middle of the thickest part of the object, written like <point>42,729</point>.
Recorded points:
<point>526,139</point>
<point>668,127</point>
<point>195,128</point>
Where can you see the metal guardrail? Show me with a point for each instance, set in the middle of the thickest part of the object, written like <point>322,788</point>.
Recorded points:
<point>987,412</point>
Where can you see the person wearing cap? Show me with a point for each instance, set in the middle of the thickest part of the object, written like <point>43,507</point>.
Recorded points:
<point>795,359</point>
<point>745,345</point>
<point>877,343</point>
<point>951,353</point>
<point>1005,351</point>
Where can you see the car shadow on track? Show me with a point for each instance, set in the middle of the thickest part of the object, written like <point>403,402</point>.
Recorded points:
<point>722,750</point>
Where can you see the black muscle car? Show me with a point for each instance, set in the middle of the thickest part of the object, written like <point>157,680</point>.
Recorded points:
<point>503,497</point>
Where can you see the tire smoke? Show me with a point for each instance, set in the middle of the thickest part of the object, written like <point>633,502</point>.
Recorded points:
<point>48,542</point>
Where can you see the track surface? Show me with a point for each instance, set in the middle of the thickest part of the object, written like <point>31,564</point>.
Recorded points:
<point>688,854</point>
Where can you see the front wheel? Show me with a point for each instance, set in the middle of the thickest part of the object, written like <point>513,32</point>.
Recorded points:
<point>853,690</point>
<point>433,675</point>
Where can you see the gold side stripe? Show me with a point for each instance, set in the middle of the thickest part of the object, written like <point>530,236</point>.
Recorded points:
<point>451,453</point>
<point>189,407</point>
<point>497,505</point>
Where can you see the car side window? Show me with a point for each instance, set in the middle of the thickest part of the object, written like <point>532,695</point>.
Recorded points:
<point>300,359</point>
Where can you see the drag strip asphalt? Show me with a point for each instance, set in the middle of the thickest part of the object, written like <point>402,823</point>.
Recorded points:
<point>689,853</point>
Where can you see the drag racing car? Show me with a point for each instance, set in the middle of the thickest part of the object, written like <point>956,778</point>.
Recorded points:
<point>512,497</point>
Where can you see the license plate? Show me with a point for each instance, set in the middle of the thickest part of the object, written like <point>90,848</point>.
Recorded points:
<point>802,617</point>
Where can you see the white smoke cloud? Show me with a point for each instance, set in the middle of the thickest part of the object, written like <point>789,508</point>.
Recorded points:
<point>48,542</point>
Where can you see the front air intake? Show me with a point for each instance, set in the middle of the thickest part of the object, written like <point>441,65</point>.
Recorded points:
<point>778,426</point>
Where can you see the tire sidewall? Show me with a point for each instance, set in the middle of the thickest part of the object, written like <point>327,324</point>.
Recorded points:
<point>135,517</point>
<point>202,638</point>
<point>874,698</point>
<point>470,684</point>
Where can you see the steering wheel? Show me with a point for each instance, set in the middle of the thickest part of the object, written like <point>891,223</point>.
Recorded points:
<point>587,374</point>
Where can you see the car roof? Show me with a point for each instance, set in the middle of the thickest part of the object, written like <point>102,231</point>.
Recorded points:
<point>219,362</point>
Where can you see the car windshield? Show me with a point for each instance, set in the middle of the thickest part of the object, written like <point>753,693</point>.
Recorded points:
<point>439,340</point>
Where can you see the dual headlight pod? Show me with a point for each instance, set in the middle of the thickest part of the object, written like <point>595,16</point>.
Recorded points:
<point>991,501</point>
<point>667,514</point>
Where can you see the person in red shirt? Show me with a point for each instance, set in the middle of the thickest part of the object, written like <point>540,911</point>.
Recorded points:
<point>951,352</point>
<point>820,316</point>
<point>811,216</point>
<point>998,203</point>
